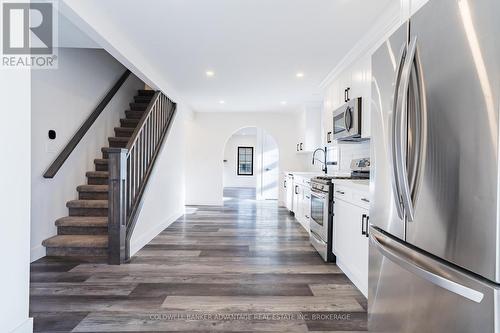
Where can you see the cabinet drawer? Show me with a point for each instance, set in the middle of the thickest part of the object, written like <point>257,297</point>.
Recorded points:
<point>353,196</point>
<point>342,192</point>
<point>361,199</point>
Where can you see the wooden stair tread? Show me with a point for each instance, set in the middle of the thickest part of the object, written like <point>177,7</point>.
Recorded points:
<point>138,106</point>
<point>82,221</point>
<point>97,174</point>
<point>131,123</point>
<point>118,139</point>
<point>92,188</point>
<point>103,161</point>
<point>85,241</point>
<point>143,92</point>
<point>125,129</point>
<point>87,204</point>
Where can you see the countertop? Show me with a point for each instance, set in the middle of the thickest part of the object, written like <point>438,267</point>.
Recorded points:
<point>359,184</point>
<point>304,174</point>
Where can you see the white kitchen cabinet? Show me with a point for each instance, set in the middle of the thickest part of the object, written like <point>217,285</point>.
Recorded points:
<point>282,195</point>
<point>302,200</point>
<point>289,192</point>
<point>328,107</point>
<point>356,79</point>
<point>309,136</point>
<point>304,213</point>
<point>297,192</point>
<point>350,238</point>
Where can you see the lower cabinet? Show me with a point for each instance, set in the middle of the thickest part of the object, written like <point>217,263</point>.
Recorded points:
<point>351,242</point>
<point>302,204</point>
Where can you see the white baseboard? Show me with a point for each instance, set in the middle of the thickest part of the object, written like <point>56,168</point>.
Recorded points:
<point>37,252</point>
<point>25,327</point>
<point>140,241</point>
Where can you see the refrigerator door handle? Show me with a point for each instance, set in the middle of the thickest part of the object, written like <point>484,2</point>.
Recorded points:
<point>410,260</point>
<point>393,147</point>
<point>401,130</point>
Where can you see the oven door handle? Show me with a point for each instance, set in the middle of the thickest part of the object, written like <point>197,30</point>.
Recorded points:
<point>319,194</point>
<point>317,238</point>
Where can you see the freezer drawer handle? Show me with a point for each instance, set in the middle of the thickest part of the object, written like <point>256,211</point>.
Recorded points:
<point>407,262</point>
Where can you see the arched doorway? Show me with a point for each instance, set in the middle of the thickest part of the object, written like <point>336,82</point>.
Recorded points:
<point>251,164</point>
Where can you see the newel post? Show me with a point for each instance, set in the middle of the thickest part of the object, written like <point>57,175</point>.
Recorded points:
<point>117,228</point>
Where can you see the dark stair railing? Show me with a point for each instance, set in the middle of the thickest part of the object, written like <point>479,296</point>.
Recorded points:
<point>129,171</point>
<point>77,137</point>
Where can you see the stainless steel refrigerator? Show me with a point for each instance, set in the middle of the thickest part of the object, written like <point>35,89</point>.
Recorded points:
<point>435,234</point>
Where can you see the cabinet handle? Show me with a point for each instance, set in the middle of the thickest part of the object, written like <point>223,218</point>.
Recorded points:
<point>348,98</point>
<point>308,197</point>
<point>365,200</point>
<point>306,216</point>
<point>329,137</point>
<point>363,232</point>
<point>301,146</point>
<point>345,95</point>
<point>297,147</point>
<point>367,219</point>
<point>296,189</point>
<point>340,192</point>
<point>284,184</point>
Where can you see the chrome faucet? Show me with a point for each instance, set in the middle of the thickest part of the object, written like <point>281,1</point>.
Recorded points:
<point>324,169</point>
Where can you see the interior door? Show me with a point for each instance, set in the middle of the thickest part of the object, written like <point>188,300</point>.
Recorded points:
<point>454,82</point>
<point>387,61</point>
<point>270,168</point>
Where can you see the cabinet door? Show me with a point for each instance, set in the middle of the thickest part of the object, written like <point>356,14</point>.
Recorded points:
<point>328,106</point>
<point>306,210</point>
<point>351,246</point>
<point>289,193</point>
<point>282,195</point>
<point>345,83</point>
<point>296,201</point>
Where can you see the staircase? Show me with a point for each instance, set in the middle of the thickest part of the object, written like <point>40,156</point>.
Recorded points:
<point>84,232</point>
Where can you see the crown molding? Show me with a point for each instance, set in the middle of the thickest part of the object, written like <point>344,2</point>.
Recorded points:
<point>386,24</point>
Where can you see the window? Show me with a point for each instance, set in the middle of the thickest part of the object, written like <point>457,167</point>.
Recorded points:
<point>245,161</point>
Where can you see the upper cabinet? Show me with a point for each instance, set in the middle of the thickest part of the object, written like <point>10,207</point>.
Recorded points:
<point>309,136</point>
<point>353,82</point>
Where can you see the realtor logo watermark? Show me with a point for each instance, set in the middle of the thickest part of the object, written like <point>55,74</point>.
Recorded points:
<point>28,35</point>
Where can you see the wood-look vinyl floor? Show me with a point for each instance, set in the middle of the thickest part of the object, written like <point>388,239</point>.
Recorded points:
<point>243,267</point>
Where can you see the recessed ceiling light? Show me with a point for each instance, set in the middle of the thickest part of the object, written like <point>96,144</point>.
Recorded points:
<point>221,102</point>
<point>283,102</point>
<point>210,73</point>
<point>299,74</point>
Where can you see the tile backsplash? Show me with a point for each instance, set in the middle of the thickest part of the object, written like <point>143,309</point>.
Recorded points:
<point>346,152</point>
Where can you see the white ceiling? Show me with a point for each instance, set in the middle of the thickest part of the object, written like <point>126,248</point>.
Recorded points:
<point>255,47</point>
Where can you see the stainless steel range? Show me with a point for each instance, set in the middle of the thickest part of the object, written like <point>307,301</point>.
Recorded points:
<point>321,217</point>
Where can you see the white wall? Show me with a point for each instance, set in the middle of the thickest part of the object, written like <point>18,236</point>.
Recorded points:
<point>231,178</point>
<point>163,201</point>
<point>15,201</point>
<point>61,100</point>
<point>207,135</point>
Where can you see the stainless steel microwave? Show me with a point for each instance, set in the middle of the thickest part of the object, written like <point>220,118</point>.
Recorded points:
<point>347,121</point>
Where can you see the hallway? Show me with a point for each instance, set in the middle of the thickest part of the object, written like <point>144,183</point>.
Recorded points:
<point>243,267</point>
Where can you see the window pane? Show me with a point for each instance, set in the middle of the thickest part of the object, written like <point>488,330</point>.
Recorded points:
<point>245,161</point>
